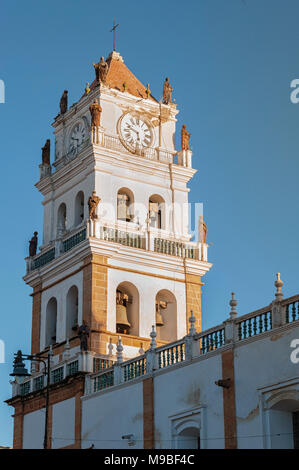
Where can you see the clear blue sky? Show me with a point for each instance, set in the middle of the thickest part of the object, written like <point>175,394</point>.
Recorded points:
<point>230,63</point>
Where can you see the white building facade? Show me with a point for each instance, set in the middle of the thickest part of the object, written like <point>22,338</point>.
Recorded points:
<point>131,273</point>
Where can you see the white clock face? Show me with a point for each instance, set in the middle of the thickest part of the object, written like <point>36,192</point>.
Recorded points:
<point>135,132</point>
<point>77,137</point>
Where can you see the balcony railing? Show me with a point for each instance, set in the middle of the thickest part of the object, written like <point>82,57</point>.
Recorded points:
<point>133,369</point>
<point>123,237</point>
<point>169,247</point>
<point>254,325</point>
<point>104,380</point>
<point>196,345</point>
<point>74,240</point>
<point>168,356</point>
<point>127,234</point>
<point>292,311</point>
<point>43,259</point>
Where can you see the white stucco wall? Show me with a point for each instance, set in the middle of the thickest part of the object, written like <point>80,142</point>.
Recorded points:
<point>179,391</point>
<point>34,430</point>
<point>263,363</point>
<point>106,417</point>
<point>63,423</point>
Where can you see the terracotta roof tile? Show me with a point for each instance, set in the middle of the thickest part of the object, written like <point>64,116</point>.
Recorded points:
<point>119,74</point>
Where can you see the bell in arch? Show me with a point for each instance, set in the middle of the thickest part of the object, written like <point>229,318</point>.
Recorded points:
<point>122,322</point>
<point>159,319</point>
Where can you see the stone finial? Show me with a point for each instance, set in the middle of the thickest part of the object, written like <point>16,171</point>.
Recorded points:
<point>233,303</point>
<point>110,347</point>
<point>119,350</point>
<point>141,350</point>
<point>67,349</point>
<point>147,91</point>
<point>87,88</point>
<point>192,320</point>
<point>278,284</point>
<point>153,335</point>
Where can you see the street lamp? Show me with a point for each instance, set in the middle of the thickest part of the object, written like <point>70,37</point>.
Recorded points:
<point>20,373</point>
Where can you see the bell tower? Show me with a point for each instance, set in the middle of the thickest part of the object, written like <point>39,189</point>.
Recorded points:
<point>116,250</point>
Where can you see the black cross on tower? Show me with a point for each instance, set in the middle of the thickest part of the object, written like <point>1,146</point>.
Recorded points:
<point>113,29</point>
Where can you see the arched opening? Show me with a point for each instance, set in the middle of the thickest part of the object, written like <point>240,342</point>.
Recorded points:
<point>127,309</point>
<point>166,315</point>
<point>51,322</point>
<point>61,219</point>
<point>72,312</point>
<point>125,205</point>
<point>157,211</point>
<point>284,424</point>
<point>79,208</point>
<point>188,438</point>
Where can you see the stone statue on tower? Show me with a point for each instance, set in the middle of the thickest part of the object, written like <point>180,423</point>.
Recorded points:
<point>95,111</point>
<point>63,102</point>
<point>101,70</point>
<point>83,333</point>
<point>185,136</point>
<point>46,153</point>
<point>33,245</point>
<point>167,91</point>
<point>93,202</point>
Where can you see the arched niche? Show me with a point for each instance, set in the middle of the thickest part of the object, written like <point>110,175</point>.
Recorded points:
<point>166,310</point>
<point>125,205</point>
<point>72,312</point>
<point>283,420</point>
<point>156,211</point>
<point>61,218</point>
<point>188,438</point>
<point>79,208</point>
<point>51,322</point>
<point>127,306</point>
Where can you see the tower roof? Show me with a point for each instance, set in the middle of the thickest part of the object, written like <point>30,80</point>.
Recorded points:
<point>119,74</point>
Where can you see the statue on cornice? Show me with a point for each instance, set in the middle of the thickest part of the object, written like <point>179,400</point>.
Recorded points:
<point>46,153</point>
<point>95,112</point>
<point>33,245</point>
<point>93,202</point>
<point>83,333</point>
<point>167,91</point>
<point>101,70</point>
<point>63,102</point>
<point>185,136</point>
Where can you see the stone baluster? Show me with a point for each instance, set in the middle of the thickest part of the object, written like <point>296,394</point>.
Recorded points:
<point>117,366</point>
<point>231,333</point>
<point>189,339</point>
<point>278,311</point>
<point>151,359</point>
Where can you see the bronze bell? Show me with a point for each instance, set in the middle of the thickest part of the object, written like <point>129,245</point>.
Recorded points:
<point>159,318</point>
<point>122,323</point>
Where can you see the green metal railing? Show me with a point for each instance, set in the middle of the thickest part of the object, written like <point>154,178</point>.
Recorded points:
<point>101,364</point>
<point>103,381</point>
<point>292,312</point>
<point>74,240</point>
<point>212,341</point>
<point>169,247</point>
<point>25,388</point>
<point>173,355</point>
<point>38,383</point>
<point>124,238</point>
<point>72,367</point>
<point>254,325</point>
<point>57,375</point>
<point>134,369</point>
<point>43,259</point>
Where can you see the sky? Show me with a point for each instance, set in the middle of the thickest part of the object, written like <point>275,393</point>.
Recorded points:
<point>230,63</point>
